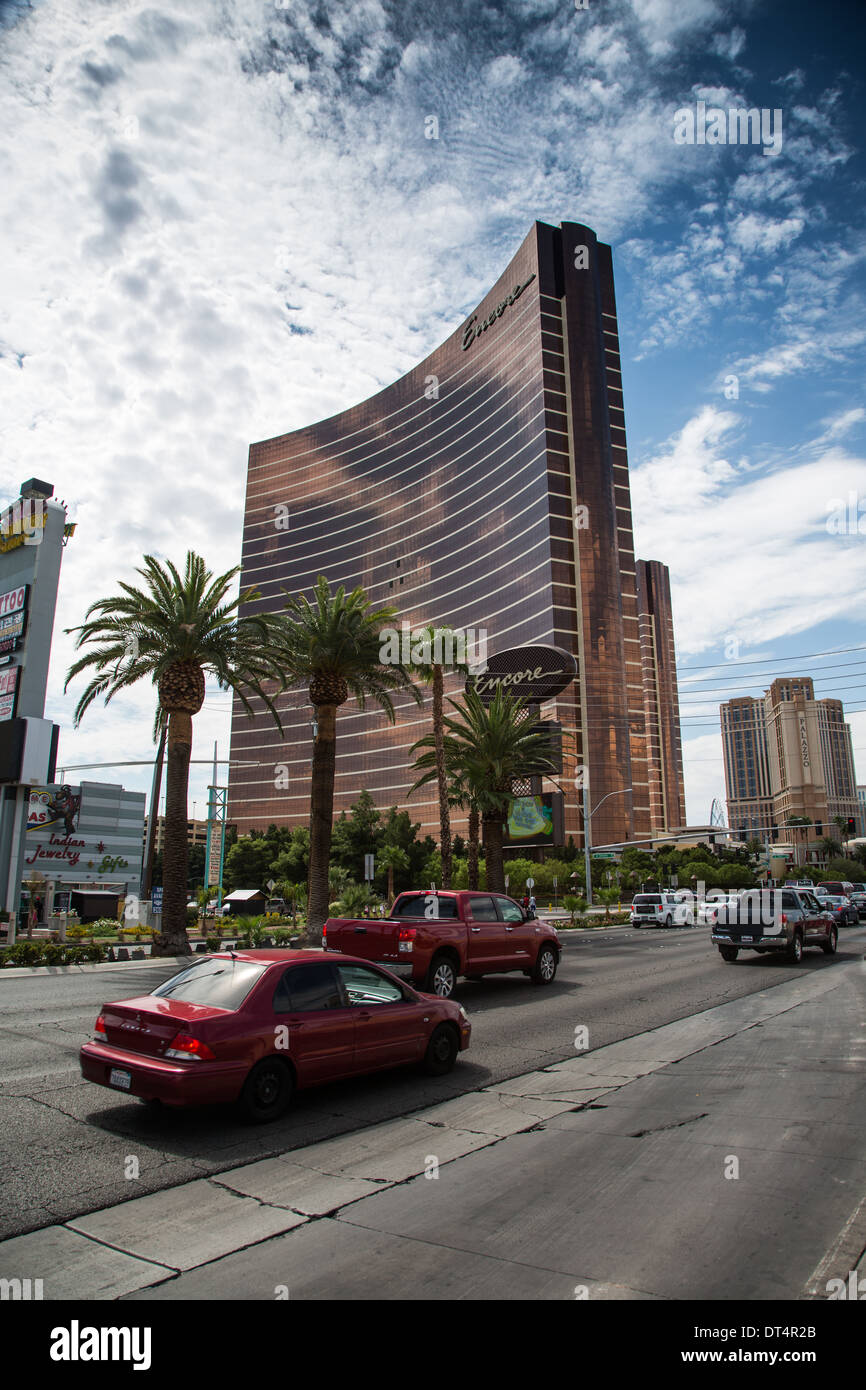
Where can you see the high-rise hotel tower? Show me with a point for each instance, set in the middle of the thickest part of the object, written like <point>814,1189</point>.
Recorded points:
<point>786,755</point>
<point>486,489</point>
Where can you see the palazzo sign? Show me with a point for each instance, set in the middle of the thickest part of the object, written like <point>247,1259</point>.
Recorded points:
<point>531,673</point>
<point>474,329</point>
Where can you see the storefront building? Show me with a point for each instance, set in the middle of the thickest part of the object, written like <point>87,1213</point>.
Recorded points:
<point>84,839</point>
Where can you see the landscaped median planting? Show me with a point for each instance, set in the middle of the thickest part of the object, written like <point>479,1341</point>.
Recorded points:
<point>592,921</point>
<point>50,953</point>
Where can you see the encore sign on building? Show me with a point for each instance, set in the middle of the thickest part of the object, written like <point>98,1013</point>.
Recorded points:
<point>531,673</point>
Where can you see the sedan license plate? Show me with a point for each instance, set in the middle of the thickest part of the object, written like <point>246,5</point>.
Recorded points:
<point>122,1079</point>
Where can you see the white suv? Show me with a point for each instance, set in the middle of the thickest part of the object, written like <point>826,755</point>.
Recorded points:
<point>656,910</point>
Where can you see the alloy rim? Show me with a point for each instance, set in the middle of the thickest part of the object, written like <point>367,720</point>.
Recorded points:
<point>443,981</point>
<point>547,965</point>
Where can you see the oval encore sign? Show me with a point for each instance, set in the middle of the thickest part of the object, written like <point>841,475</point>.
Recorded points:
<point>531,673</point>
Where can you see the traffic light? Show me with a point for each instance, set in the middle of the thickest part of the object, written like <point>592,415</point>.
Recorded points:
<point>852,825</point>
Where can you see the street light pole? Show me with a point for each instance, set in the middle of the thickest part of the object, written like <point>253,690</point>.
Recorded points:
<point>587,834</point>
<point>587,817</point>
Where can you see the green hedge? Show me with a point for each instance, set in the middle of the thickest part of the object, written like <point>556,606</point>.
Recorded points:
<point>50,953</point>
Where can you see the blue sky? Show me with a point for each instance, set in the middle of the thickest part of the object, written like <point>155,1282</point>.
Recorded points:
<point>223,220</point>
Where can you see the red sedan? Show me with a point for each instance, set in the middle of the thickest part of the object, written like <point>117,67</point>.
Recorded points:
<point>253,1026</point>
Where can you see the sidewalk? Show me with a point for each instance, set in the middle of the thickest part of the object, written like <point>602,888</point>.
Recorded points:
<point>612,1174</point>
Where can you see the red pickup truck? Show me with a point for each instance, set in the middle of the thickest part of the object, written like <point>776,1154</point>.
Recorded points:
<point>431,938</point>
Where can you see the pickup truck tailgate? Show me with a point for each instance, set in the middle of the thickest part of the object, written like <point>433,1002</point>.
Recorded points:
<point>371,940</point>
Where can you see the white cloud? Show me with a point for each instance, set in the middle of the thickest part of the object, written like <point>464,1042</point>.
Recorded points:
<point>752,554</point>
<point>765,235</point>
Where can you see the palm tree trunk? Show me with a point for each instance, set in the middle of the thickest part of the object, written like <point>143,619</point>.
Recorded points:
<point>473,849</point>
<point>153,823</point>
<point>493,854</point>
<point>444,813</point>
<point>390,886</point>
<point>321,817</point>
<point>172,940</point>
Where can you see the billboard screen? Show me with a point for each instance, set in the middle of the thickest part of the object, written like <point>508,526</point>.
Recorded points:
<point>535,821</point>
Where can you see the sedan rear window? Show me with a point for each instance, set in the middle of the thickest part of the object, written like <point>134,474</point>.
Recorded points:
<point>223,984</point>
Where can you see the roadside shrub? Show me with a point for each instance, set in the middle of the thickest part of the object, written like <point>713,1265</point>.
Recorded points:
<point>77,932</point>
<point>55,953</point>
<point>212,943</point>
<point>355,898</point>
<point>250,930</point>
<point>25,953</point>
<point>106,926</point>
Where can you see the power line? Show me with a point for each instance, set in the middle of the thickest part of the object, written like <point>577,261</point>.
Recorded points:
<point>772,660</point>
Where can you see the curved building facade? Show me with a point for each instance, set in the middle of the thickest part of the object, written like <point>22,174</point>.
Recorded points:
<point>487,489</point>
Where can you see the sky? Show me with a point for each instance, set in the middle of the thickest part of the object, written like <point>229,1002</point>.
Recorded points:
<point>223,221</point>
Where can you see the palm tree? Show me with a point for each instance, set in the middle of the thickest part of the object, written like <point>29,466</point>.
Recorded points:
<point>174,630</point>
<point>495,745</point>
<point>333,645</point>
<point>459,792</point>
<point>392,857</point>
<point>427,646</point>
<point>801,823</point>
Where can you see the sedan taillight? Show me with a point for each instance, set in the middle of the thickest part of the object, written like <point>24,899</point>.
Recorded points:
<point>99,1033</point>
<point>189,1049</point>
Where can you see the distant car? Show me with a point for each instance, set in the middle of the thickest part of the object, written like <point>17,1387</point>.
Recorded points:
<point>835,888</point>
<point>859,901</point>
<point>708,912</point>
<point>685,912</point>
<point>278,905</point>
<point>842,908</point>
<point>253,1027</point>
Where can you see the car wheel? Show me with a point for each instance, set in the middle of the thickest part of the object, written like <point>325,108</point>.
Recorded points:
<point>267,1091</point>
<point>795,950</point>
<point>728,952</point>
<point>441,977</point>
<point>441,1051</point>
<point>669,921</point>
<point>545,966</point>
<point>829,946</point>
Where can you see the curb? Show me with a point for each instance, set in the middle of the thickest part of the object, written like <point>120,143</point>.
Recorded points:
<point>86,967</point>
<point>846,1257</point>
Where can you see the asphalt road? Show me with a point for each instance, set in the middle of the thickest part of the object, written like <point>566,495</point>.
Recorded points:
<point>65,1145</point>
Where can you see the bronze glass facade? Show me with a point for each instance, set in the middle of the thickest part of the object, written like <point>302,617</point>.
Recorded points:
<point>661,698</point>
<point>488,490</point>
